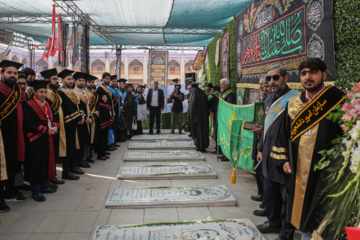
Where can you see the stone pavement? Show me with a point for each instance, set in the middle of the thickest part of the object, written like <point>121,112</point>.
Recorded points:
<point>74,211</point>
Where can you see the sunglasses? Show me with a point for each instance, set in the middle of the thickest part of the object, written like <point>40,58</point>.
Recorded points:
<point>275,77</point>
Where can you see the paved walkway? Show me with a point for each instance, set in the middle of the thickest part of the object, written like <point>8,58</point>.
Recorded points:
<point>77,207</point>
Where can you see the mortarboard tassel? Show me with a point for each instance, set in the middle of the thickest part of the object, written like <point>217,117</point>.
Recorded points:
<point>233,177</point>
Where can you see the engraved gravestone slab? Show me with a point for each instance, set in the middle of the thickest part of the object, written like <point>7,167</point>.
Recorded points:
<point>172,137</point>
<point>166,171</point>
<point>166,196</point>
<point>164,144</point>
<point>231,229</point>
<point>163,155</point>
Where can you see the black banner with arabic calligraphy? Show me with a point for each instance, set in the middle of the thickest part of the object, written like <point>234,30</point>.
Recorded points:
<point>283,32</point>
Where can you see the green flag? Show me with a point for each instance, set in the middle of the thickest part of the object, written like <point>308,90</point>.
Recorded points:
<point>235,142</point>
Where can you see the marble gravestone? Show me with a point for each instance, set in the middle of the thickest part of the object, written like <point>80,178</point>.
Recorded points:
<point>166,196</point>
<point>161,144</point>
<point>172,137</point>
<point>166,171</point>
<point>163,155</point>
<point>232,229</point>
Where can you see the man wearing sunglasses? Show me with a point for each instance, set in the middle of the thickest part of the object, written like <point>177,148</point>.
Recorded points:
<point>274,195</point>
<point>303,132</point>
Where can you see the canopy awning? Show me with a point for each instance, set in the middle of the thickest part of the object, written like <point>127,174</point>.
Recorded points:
<point>129,22</point>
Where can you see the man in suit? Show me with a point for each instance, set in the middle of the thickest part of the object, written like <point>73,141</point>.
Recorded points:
<point>155,104</point>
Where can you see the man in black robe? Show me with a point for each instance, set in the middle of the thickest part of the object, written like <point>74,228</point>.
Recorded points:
<point>103,90</point>
<point>213,101</point>
<point>199,118</point>
<point>94,113</point>
<point>117,110</point>
<point>123,126</point>
<point>53,98</point>
<point>11,117</point>
<point>228,96</point>
<point>72,118</point>
<point>84,129</point>
<point>130,109</point>
<point>39,127</point>
<point>304,131</point>
<point>274,192</point>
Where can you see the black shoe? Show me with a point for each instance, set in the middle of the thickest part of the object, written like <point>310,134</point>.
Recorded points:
<point>78,171</point>
<point>214,152</point>
<point>24,187</point>
<point>84,165</point>
<point>267,228</point>
<point>90,160</point>
<point>190,135</point>
<point>260,213</point>
<point>54,180</point>
<point>51,185</point>
<point>262,205</point>
<point>70,176</point>
<point>151,132</point>
<point>200,150</point>
<point>158,132</point>
<point>257,198</point>
<point>107,153</point>
<point>38,197</point>
<point>172,132</point>
<point>116,145</point>
<point>111,149</point>
<point>3,206</point>
<point>14,196</point>
<point>224,159</point>
<point>49,190</point>
<point>220,156</point>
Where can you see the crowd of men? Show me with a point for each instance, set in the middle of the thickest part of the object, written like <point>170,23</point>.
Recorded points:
<point>48,121</point>
<point>44,122</point>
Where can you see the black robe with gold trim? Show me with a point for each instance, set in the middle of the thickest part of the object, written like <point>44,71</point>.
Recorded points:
<point>305,208</point>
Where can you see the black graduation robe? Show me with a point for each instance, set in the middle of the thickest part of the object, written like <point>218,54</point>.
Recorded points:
<point>54,101</point>
<point>122,122</point>
<point>130,111</point>
<point>139,130</point>
<point>40,161</point>
<point>70,108</point>
<point>199,118</point>
<point>11,129</point>
<point>84,129</point>
<point>305,208</point>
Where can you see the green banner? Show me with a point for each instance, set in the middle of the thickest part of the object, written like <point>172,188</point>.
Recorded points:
<point>236,143</point>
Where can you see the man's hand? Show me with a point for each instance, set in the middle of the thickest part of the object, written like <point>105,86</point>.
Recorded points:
<point>52,130</point>
<point>161,109</point>
<point>81,122</point>
<point>89,121</point>
<point>259,157</point>
<point>259,129</point>
<point>287,168</point>
<point>121,108</point>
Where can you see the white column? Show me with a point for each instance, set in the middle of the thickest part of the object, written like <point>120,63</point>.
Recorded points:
<point>126,66</point>
<point>145,70</point>
<point>182,66</point>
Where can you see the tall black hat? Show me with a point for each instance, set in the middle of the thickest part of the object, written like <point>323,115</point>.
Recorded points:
<point>113,77</point>
<point>64,73</point>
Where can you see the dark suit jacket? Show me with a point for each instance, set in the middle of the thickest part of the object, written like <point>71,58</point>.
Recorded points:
<point>160,98</point>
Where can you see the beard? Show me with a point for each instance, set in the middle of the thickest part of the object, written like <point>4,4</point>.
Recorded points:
<point>278,88</point>
<point>314,88</point>
<point>10,81</point>
<point>54,86</point>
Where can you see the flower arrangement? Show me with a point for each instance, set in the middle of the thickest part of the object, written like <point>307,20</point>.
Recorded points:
<point>343,205</point>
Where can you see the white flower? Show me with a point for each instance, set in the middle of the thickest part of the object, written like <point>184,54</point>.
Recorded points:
<point>346,154</point>
<point>347,143</point>
<point>355,132</point>
<point>354,169</point>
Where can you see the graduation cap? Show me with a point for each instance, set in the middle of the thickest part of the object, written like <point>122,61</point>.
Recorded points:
<point>37,84</point>
<point>90,78</point>
<point>6,63</point>
<point>64,73</point>
<point>176,80</point>
<point>194,84</point>
<point>122,80</point>
<point>85,76</point>
<point>209,85</point>
<point>49,73</point>
<point>113,77</point>
<point>217,88</point>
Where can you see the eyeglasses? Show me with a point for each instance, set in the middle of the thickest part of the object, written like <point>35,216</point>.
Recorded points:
<point>275,77</point>
<point>20,83</point>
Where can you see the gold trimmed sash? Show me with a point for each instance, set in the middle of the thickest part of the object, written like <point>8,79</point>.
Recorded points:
<point>11,102</point>
<point>314,112</point>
